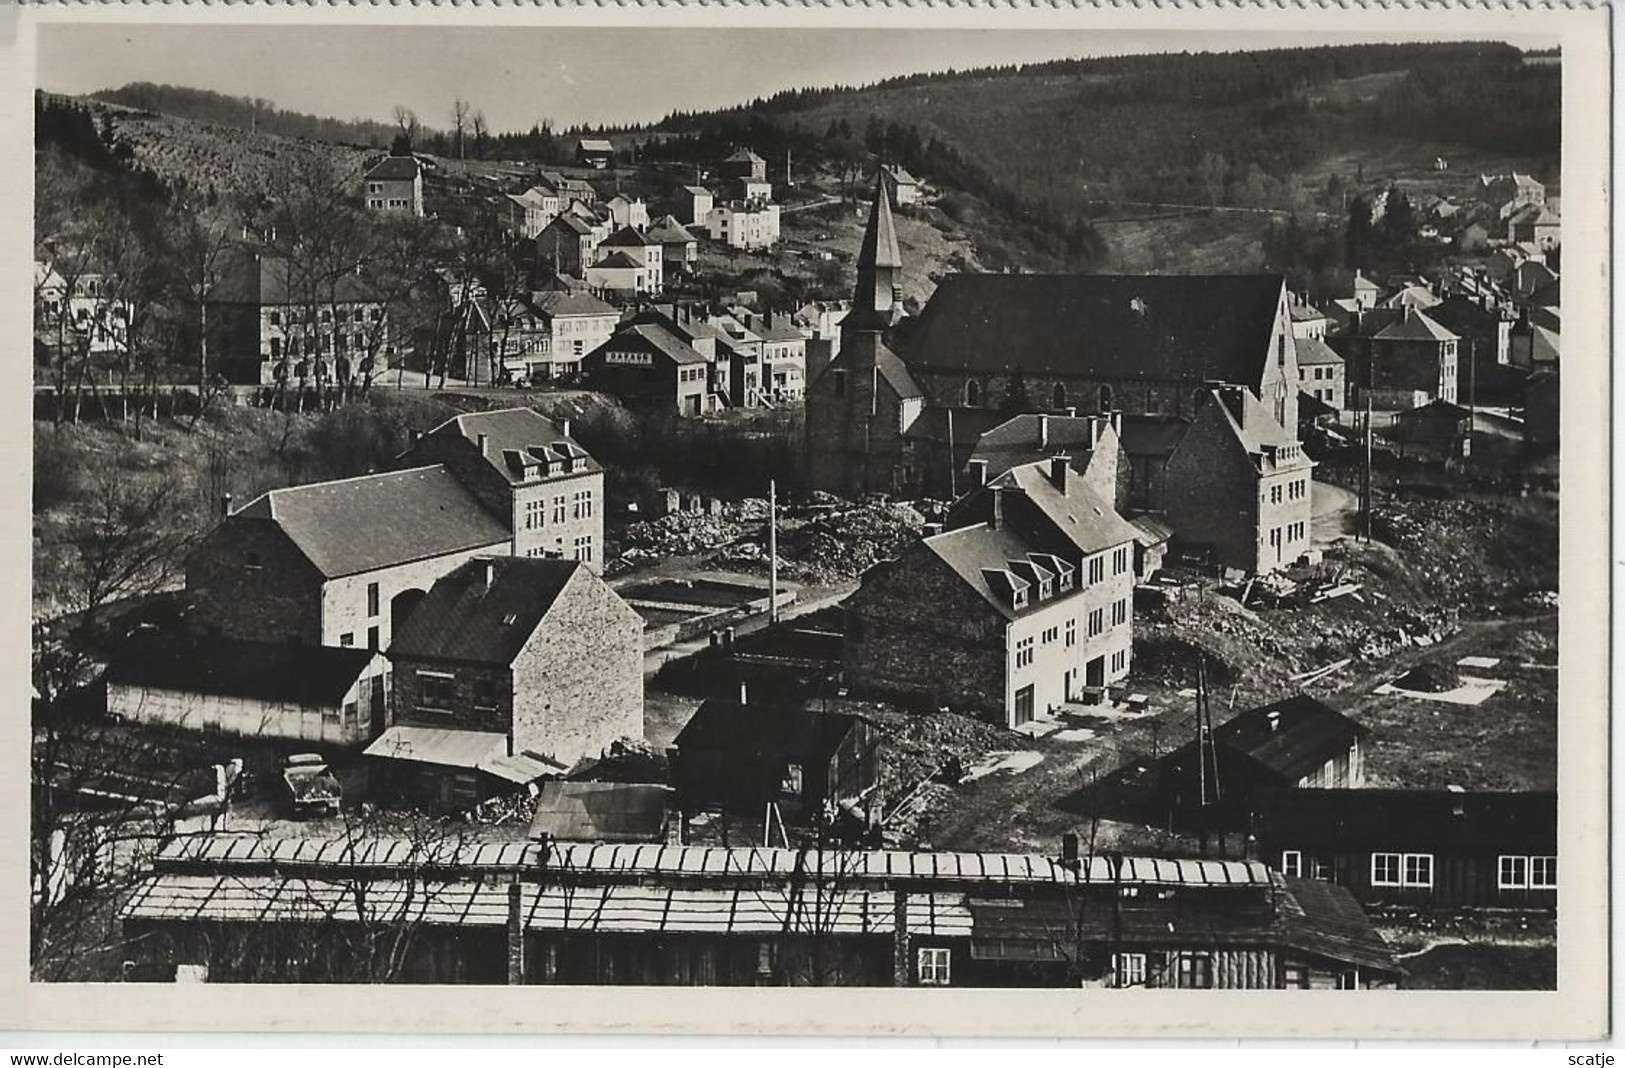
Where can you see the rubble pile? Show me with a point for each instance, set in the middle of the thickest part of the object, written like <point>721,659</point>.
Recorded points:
<point>828,545</point>
<point>678,534</point>
<point>1480,556</point>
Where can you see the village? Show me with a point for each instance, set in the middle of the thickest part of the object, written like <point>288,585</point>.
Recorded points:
<point>1087,629</point>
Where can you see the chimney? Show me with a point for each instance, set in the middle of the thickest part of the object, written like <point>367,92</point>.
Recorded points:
<point>998,508</point>
<point>1230,397</point>
<point>225,506</point>
<point>564,427</point>
<point>484,441</point>
<point>1117,422</point>
<point>978,473</point>
<point>1069,849</point>
<point>414,435</point>
<point>744,693</point>
<point>1275,721</point>
<point>510,743</point>
<point>1071,412</point>
<point>490,573</point>
<point>1058,466</point>
<point>1043,432</point>
<point>1094,430</point>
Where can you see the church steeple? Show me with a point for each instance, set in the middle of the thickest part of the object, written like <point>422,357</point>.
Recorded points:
<point>877,297</point>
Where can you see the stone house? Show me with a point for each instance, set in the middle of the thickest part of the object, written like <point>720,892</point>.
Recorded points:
<point>694,203</point>
<point>1536,224</point>
<point>568,245</point>
<point>638,246</point>
<point>1409,357</point>
<point>522,660</point>
<point>1321,372</point>
<point>273,319</point>
<point>1507,193</point>
<point>1092,442</point>
<point>745,164</point>
<point>530,473</point>
<point>395,183</point>
<point>336,563</point>
<point>1237,486</point>
<point>1023,606</point>
<point>650,366</point>
<point>316,694</point>
<point>527,214</point>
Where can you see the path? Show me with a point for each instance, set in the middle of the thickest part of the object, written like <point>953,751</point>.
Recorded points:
<point>1333,513</point>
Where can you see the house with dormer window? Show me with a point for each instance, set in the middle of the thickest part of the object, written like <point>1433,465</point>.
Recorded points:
<point>1024,605</point>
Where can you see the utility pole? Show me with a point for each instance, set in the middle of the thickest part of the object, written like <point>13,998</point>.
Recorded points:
<point>953,463</point>
<point>772,551</point>
<point>1365,475</point>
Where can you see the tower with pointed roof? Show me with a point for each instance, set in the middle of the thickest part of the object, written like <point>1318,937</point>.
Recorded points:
<point>859,406</point>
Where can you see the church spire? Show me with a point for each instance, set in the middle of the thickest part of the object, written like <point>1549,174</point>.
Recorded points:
<point>876,297</point>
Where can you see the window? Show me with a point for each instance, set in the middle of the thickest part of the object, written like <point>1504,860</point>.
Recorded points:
<point>1408,869</point>
<point>372,599</point>
<point>1195,971</point>
<point>485,694</point>
<point>1275,494</point>
<point>1349,980</point>
<point>1120,560</point>
<point>1050,634</point>
<point>1512,873</point>
<point>1097,622</point>
<point>558,508</point>
<point>1120,612</point>
<point>1071,633</point>
<point>1292,863</point>
<point>973,394</point>
<point>372,638</point>
<point>535,513</point>
<point>347,639</point>
<point>1097,569</point>
<point>1294,977</point>
<point>583,548</point>
<point>437,691</point>
<point>934,965</point>
<point>1543,873</point>
<point>790,785</point>
<point>1024,652</point>
<point>276,318</point>
<point>1120,660</point>
<point>1130,969</point>
<point>582,506</point>
<point>1320,868</point>
<point>1385,869</point>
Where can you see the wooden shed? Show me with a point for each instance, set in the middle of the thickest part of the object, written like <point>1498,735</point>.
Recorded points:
<point>742,757</point>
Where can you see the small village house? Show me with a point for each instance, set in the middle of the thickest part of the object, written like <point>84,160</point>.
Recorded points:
<point>679,249</point>
<point>742,163</point>
<point>1416,848</point>
<point>622,275</point>
<point>514,665</point>
<point>1024,606</point>
<point>395,183</point>
<point>639,246</point>
<point>694,203</point>
<point>902,187</point>
<point>567,189</point>
<point>738,757</point>
<point>570,323</point>
<point>90,311</point>
<point>1506,194</point>
<point>336,563</point>
<point>1238,486</point>
<point>527,471</point>
<point>628,211</point>
<point>527,214</point>
<point>1320,373</point>
<point>567,245</point>
<point>649,366</point>
<point>316,694</point>
<point>654,914</point>
<point>1410,358</point>
<point>595,152</point>
<point>1295,742</point>
<point>748,225</point>
<point>1308,321</point>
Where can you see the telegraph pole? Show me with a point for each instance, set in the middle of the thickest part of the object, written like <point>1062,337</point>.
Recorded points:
<point>772,551</point>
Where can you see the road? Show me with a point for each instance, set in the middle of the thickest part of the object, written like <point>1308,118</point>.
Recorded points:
<point>1333,513</point>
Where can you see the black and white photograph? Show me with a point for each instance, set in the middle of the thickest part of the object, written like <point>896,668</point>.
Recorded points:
<point>808,506</point>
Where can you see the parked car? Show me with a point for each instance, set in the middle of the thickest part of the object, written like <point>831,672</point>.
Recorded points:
<point>313,789</point>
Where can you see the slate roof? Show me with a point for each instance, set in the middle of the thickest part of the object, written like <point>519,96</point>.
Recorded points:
<point>515,430</point>
<point>1257,429</point>
<point>315,676</point>
<point>594,144</point>
<point>1312,351</point>
<point>627,237</point>
<point>1409,820</point>
<point>1324,918</point>
<point>1545,344</point>
<point>618,261</point>
<point>1305,312</point>
<point>1183,328</point>
<point>764,730</point>
<point>1152,435</point>
<point>899,175</point>
<point>466,618</point>
<point>354,525</point>
<point>567,302</point>
<point>1414,327</point>
<point>668,231</point>
<point>394,169</point>
<point>570,222</point>
<point>744,155</point>
<point>1017,441</point>
<point>600,812</point>
<point>252,274</point>
<point>697,190</point>
<point>658,339</point>
<point>1306,734</point>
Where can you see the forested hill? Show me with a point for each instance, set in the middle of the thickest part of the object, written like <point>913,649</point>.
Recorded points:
<point>245,113</point>
<point>1211,128</point>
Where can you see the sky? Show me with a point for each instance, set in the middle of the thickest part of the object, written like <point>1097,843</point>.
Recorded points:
<point>522,75</point>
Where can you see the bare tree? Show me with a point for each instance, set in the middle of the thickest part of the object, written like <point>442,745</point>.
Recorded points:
<point>200,240</point>
<point>129,543</point>
<point>460,112</point>
<point>481,131</point>
<point>406,120</point>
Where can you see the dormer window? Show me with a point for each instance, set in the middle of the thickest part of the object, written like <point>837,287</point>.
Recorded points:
<point>1045,590</point>
<point>1019,599</point>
